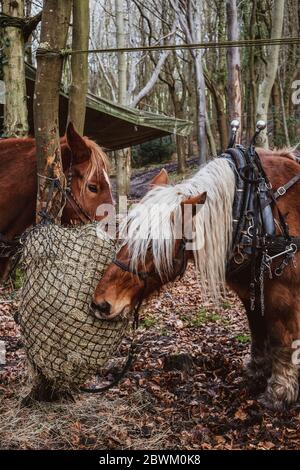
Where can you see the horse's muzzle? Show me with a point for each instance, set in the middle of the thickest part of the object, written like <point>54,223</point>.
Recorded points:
<point>102,310</point>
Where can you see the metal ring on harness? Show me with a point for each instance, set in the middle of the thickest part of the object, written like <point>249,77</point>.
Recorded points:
<point>239,258</point>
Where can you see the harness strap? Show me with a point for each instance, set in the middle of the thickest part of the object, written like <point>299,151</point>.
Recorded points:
<point>282,190</point>
<point>277,244</point>
<point>127,268</point>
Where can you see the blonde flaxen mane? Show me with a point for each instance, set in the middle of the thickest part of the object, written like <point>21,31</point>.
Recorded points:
<point>151,225</point>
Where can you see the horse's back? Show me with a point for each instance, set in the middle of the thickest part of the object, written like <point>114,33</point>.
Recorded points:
<point>17,183</point>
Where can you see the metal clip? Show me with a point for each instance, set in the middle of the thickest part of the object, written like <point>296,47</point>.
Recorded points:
<point>239,257</point>
<point>267,264</point>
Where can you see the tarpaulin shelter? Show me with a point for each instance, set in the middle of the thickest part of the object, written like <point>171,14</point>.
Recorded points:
<point>111,125</point>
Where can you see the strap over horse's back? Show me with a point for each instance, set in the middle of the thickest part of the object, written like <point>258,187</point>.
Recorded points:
<point>254,225</point>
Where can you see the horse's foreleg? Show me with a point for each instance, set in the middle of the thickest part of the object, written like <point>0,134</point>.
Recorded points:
<point>283,385</point>
<point>259,364</point>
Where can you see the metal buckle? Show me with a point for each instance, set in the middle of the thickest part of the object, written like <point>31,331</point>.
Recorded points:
<point>281,191</point>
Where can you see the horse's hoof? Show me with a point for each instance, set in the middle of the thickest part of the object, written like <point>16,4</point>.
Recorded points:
<point>279,397</point>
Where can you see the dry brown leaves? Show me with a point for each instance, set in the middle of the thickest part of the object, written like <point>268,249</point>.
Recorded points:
<point>186,390</point>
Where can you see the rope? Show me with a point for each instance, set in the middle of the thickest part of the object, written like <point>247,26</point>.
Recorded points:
<point>42,51</point>
<point>127,365</point>
<point>6,20</point>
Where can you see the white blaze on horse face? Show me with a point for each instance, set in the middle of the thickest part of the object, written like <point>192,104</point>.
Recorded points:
<point>106,178</point>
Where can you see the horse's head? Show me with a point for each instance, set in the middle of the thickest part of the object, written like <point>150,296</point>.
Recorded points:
<point>86,168</point>
<point>144,264</point>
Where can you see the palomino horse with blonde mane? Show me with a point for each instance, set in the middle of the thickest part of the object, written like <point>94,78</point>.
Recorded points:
<point>152,255</point>
<point>86,168</point>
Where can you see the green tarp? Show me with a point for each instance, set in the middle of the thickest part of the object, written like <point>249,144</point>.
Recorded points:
<point>111,125</point>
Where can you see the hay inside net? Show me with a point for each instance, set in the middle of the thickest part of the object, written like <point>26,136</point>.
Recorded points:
<point>63,340</point>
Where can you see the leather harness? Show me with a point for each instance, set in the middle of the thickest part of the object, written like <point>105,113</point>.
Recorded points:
<point>254,227</point>
<point>255,242</point>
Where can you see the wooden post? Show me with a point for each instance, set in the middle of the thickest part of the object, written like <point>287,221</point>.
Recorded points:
<point>15,109</point>
<point>79,64</point>
<point>54,30</point>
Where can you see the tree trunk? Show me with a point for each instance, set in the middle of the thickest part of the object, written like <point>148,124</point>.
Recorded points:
<point>220,105</point>
<point>123,156</point>
<point>210,137</point>
<point>276,114</point>
<point>284,121</point>
<point>251,93</point>
<point>79,64</point>
<point>190,18</point>
<point>15,109</point>
<point>54,30</point>
<point>201,108</point>
<point>180,141</point>
<point>200,85</point>
<point>234,67</point>
<point>265,87</point>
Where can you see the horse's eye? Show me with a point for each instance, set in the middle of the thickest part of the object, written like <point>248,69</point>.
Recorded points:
<point>93,188</point>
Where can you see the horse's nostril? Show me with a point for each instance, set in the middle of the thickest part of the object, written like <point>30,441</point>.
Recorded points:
<point>103,307</point>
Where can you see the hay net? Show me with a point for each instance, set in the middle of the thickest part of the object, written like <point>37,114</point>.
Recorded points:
<point>63,340</point>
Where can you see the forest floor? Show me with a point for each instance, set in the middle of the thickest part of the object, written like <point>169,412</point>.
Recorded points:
<point>186,390</point>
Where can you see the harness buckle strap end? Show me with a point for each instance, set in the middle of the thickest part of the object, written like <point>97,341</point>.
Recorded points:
<point>281,191</point>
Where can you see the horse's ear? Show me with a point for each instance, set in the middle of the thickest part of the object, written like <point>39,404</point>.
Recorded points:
<point>160,180</point>
<point>194,201</point>
<point>80,150</point>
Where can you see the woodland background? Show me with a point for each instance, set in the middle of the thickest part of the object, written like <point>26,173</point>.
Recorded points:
<point>208,87</point>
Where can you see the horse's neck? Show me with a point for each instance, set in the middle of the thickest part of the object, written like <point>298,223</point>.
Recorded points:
<point>280,171</point>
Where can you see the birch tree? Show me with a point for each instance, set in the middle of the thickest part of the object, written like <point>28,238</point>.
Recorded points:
<point>265,88</point>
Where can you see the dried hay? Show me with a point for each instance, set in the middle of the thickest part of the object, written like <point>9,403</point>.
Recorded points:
<point>64,342</point>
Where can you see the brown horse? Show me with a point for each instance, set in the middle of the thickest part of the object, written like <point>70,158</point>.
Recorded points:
<point>151,255</point>
<point>84,163</point>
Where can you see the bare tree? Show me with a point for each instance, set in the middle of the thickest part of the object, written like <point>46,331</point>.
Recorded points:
<point>265,88</point>
<point>79,64</point>
<point>54,30</point>
<point>234,67</point>
<point>123,156</point>
<point>189,14</point>
<point>15,110</point>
